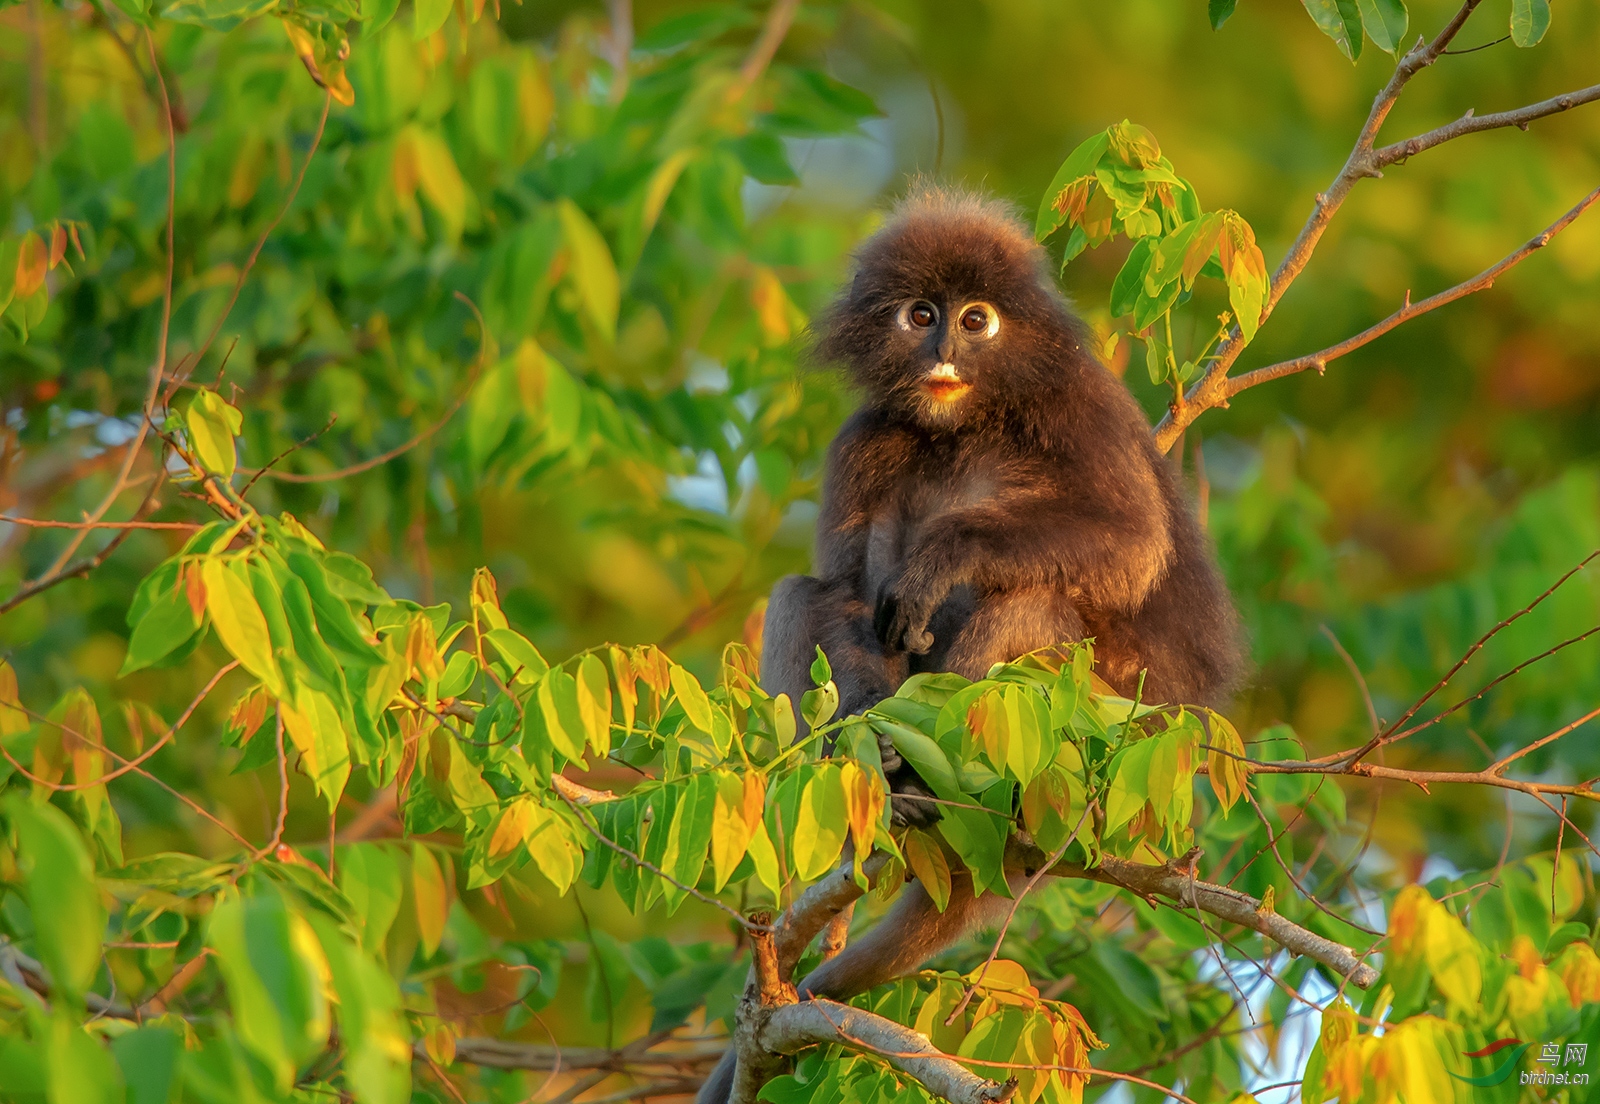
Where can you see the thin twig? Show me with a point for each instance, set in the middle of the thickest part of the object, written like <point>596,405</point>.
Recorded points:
<point>244,273</point>
<point>384,458</point>
<point>1480,282</point>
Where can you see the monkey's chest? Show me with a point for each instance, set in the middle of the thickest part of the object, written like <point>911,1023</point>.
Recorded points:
<point>901,521</point>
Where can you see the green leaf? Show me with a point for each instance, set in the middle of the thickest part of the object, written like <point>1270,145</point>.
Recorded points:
<point>821,826</point>
<point>1339,20</point>
<point>1218,12</point>
<point>459,675</point>
<point>594,273</point>
<point>168,624</point>
<point>1080,162</point>
<point>1530,19</point>
<point>558,707</point>
<point>58,882</point>
<point>926,757</point>
<point>370,877</point>
<point>1385,22</point>
<point>81,1071</point>
<point>238,620</point>
<point>1130,783</point>
<point>212,425</point>
<point>821,670</point>
<point>273,967</point>
<point>427,16</point>
<point>1128,285</point>
<point>527,665</point>
<point>148,1057</point>
<point>377,1046</point>
<point>313,725</point>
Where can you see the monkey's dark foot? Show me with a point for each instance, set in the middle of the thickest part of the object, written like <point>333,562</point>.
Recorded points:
<point>911,805</point>
<point>892,762</point>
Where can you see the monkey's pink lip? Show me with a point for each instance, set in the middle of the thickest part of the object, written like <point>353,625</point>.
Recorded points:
<point>945,390</point>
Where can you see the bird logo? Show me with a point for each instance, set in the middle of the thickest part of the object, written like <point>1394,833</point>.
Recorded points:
<point>1501,1073</point>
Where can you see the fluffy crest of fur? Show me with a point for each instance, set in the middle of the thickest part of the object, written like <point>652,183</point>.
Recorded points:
<point>950,247</point>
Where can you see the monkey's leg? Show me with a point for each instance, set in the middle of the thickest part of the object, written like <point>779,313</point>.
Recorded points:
<point>1011,623</point>
<point>912,932</point>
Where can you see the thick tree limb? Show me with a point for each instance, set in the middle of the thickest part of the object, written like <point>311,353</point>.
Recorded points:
<point>797,1026</point>
<point>1480,282</point>
<point>818,906</point>
<point>1227,904</point>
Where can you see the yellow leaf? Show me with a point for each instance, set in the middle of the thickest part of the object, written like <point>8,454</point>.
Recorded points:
<point>32,260</point>
<point>820,826</point>
<point>1579,969</point>
<point>423,160</point>
<point>510,828</point>
<point>772,306</point>
<point>486,601</point>
<point>659,187</point>
<point>730,830</point>
<point>212,424</point>
<point>765,858</point>
<point>12,718</point>
<point>594,273</point>
<point>594,703</point>
<point>238,621</point>
<point>863,800</point>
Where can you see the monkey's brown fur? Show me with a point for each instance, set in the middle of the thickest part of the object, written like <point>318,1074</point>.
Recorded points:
<point>997,492</point>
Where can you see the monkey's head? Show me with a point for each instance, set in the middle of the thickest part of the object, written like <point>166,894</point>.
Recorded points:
<point>949,310</point>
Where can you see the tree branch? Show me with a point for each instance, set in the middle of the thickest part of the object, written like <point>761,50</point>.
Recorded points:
<point>797,1026</point>
<point>1481,282</point>
<point>1228,904</point>
<point>1214,389</point>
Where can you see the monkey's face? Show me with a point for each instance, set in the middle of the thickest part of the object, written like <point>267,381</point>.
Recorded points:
<point>951,318</point>
<point>944,345</point>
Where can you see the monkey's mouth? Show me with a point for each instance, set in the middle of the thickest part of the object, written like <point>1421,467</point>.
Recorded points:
<point>944,385</point>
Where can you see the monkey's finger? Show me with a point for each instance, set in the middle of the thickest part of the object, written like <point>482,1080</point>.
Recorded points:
<point>918,641</point>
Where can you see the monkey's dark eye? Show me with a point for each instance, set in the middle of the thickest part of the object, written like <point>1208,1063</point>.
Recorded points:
<point>975,320</point>
<point>922,315</point>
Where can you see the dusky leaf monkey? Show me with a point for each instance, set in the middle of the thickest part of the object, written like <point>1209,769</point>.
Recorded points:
<point>998,492</point>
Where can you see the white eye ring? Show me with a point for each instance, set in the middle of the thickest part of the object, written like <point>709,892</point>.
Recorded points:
<point>991,325</point>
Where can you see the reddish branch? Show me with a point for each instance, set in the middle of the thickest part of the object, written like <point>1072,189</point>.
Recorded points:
<point>1215,388</point>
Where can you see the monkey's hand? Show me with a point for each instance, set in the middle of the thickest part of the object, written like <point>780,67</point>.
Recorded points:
<point>901,619</point>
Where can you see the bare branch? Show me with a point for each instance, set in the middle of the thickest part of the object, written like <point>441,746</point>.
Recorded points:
<point>779,18</point>
<point>1214,388</point>
<point>506,1054</point>
<point>385,457</point>
<point>798,1026</point>
<point>1473,124</point>
<point>42,523</point>
<point>1228,904</point>
<point>1481,282</point>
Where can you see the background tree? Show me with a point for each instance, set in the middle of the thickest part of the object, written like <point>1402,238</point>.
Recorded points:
<point>313,309</point>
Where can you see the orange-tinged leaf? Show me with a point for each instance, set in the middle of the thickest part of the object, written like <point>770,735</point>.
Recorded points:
<point>249,712</point>
<point>194,588</point>
<point>12,717</point>
<point>926,859</point>
<point>432,897</point>
<point>771,304</point>
<point>1225,762</point>
<point>58,245</point>
<point>32,260</point>
<point>510,828</point>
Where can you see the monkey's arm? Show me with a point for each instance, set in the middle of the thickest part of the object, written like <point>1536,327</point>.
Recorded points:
<point>1105,539</point>
<point>865,462</point>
